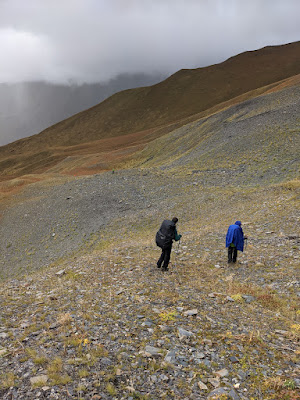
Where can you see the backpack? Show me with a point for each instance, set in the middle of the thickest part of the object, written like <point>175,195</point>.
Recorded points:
<point>166,234</point>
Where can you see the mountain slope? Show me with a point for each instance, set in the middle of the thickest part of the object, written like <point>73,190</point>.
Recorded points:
<point>86,313</point>
<point>183,94</point>
<point>253,143</point>
<point>27,108</point>
<point>106,135</point>
<point>257,140</point>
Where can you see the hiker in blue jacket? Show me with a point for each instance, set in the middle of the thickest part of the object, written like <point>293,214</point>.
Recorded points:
<point>164,239</point>
<point>234,241</point>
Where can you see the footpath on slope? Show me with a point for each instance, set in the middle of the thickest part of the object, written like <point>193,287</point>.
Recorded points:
<point>112,326</point>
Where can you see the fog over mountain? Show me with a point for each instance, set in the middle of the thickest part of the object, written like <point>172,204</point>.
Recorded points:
<point>29,107</point>
<point>96,40</point>
<point>99,44</point>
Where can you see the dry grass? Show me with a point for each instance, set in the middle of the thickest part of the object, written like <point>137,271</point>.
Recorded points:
<point>106,135</point>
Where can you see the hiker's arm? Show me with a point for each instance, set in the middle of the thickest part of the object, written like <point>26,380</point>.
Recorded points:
<point>177,237</point>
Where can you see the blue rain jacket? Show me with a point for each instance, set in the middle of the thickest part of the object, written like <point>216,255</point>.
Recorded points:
<point>235,235</point>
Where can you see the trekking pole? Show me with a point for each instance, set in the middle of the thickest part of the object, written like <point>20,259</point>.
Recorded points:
<point>246,242</point>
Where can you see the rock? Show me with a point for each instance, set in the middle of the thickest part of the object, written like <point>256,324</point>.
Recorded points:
<point>39,379</point>
<point>171,357</point>
<point>281,332</point>
<point>3,335</point>
<point>233,359</point>
<point>3,352</point>
<point>130,389</point>
<point>293,237</point>
<point>214,381</point>
<point>202,386</point>
<point>147,323</point>
<point>222,373</point>
<point>210,319</point>
<point>228,298</point>
<point>153,351</point>
<point>233,395</point>
<point>106,361</point>
<point>183,334</point>
<point>60,273</point>
<point>199,355</point>
<point>165,328</point>
<point>259,265</point>
<point>156,310</point>
<point>242,375</point>
<point>216,394</point>
<point>248,299</point>
<point>189,313</point>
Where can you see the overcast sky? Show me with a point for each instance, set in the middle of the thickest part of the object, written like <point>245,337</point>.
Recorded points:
<point>94,40</point>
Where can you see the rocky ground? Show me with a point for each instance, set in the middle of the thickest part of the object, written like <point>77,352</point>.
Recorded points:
<point>85,313</point>
<point>110,325</point>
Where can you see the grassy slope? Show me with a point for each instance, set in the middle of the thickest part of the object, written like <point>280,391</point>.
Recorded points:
<point>152,111</point>
<point>255,141</point>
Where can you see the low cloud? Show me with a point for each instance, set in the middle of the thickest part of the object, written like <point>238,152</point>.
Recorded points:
<point>95,40</point>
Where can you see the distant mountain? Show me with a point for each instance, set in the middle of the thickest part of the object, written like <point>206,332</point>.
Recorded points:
<point>107,133</point>
<point>29,107</point>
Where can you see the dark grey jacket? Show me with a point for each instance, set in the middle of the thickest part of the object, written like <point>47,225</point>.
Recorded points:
<point>166,234</point>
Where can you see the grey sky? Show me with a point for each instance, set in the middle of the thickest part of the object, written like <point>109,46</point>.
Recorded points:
<point>94,40</point>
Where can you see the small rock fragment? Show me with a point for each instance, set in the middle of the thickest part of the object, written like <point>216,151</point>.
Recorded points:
<point>215,382</point>
<point>183,334</point>
<point>39,379</point>
<point>216,394</point>
<point>153,351</point>
<point>189,313</point>
<point>171,357</point>
<point>222,373</point>
<point>3,352</point>
<point>202,386</point>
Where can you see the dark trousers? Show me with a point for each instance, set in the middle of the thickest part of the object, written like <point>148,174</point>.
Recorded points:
<point>232,254</point>
<point>164,258</point>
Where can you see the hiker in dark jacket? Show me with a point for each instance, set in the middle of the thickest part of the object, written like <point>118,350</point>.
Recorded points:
<point>164,239</point>
<point>234,240</point>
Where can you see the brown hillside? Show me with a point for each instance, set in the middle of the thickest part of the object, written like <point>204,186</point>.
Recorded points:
<point>142,114</point>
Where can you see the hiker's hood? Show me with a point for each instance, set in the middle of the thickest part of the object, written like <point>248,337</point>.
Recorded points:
<point>238,223</point>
